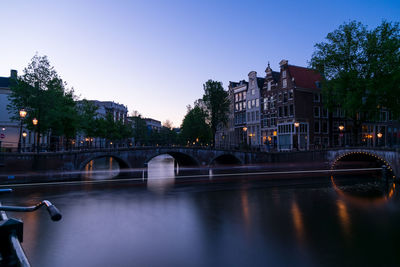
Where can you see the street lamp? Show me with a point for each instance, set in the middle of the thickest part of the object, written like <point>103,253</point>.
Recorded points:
<point>379,135</point>
<point>245,134</point>
<point>35,140</point>
<point>22,115</point>
<point>296,126</point>
<point>24,134</point>
<point>341,128</point>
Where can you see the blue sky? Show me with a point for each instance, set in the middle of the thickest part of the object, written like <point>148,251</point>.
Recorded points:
<point>154,56</point>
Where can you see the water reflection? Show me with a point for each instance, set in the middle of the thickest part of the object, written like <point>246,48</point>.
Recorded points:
<point>161,173</point>
<point>344,217</point>
<point>102,168</point>
<point>298,221</point>
<point>364,191</point>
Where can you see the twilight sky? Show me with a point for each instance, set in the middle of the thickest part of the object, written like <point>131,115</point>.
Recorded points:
<point>154,55</point>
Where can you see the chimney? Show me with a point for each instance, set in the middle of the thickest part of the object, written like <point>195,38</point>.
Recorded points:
<point>13,74</point>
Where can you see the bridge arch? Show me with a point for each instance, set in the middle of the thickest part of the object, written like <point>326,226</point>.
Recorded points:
<point>363,155</point>
<point>225,159</point>
<point>121,162</point>
<point>182,159</point>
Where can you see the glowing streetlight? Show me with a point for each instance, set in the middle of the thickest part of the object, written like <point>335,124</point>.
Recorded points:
<point>379,135</point>
<point>35,123</point>
<point>296,124</point>
<point>22,115</point>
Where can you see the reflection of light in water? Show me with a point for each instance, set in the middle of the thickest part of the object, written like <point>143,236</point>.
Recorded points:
<point>161,173</point>
<point>245,208</point>
<point>298,221</point>
<point>101,168</point>
<point>363,201</point>
<point>210,174</point>
<point>343,216</point>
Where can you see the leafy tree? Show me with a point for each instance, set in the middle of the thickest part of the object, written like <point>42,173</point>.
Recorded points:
<point>45,96</point>
<point>194,126</point>
<point>140,132</point>
<point>88,121</point>
<point>361,69</point>
<point>216,103</point>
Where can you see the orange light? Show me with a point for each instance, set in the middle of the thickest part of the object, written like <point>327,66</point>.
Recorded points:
<point>341,127</point>
<point>35,121</point>
<point>245,129</point>
<point>296,124</point>
<point>22,113</point>
<point>24,134</point>
<point>275,133</point>
<point>379,135</point>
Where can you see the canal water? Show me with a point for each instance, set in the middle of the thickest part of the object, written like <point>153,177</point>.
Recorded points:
<point>308,221</point>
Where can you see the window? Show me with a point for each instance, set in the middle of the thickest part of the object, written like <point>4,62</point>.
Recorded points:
<point>244,95</point>
<point>324,112</point>
<point>285,109</point>
<point>237,106</point>
<point>291,110</point>
<point>257,102</point>
<point>285,97</point>
<point>253,91</point>
<point>253,116</point>
<point>317,140</point>
<point>269,86</point>
<point>241,106</point>
<point>291,94</point>
<point>284,74</point>
<point>236,97</point>
<point>325,127</point>
<point>240,96</point>
<point>248,116</point>
<point>284,83</point>
<point>266,103</point>
<point>316,112</point>
<point>257,115</point>
<point>280,112</point>
<point>316,97</point>
<point>316,127</point>
<point>280,97</point>
<point>253,103</point>
<point>249,104</point>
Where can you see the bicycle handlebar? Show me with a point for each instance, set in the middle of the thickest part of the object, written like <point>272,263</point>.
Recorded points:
<point>54,213</point>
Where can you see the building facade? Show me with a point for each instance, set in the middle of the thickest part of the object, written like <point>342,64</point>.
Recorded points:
<point>10,130</point>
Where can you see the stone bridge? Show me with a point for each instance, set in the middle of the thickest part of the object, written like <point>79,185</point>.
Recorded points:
<point>73,162</point>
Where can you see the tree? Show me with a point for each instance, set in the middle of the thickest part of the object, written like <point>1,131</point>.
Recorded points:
<point>88,120</point>
<point>361,70</point>
<point>216,102</point>
<point>194,126</point>
<point>46,97</point>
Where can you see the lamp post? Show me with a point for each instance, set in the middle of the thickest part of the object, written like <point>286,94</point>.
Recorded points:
<point>35,140</point>
<point>296,129</point>
<point>379,135</point>
<point>341,128</point>
<point>245,134</point>
<point>22,115</point>
<point>24,134</point>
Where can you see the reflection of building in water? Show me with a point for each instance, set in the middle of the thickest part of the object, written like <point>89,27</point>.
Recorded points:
<point>161,173</point>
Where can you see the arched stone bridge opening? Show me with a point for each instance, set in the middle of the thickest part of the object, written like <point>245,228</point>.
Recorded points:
<point>364,158</point>
<point>133,162</point>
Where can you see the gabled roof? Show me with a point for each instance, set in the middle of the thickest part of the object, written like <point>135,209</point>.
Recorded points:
<point>4,82</point>
<point>304,77</point>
